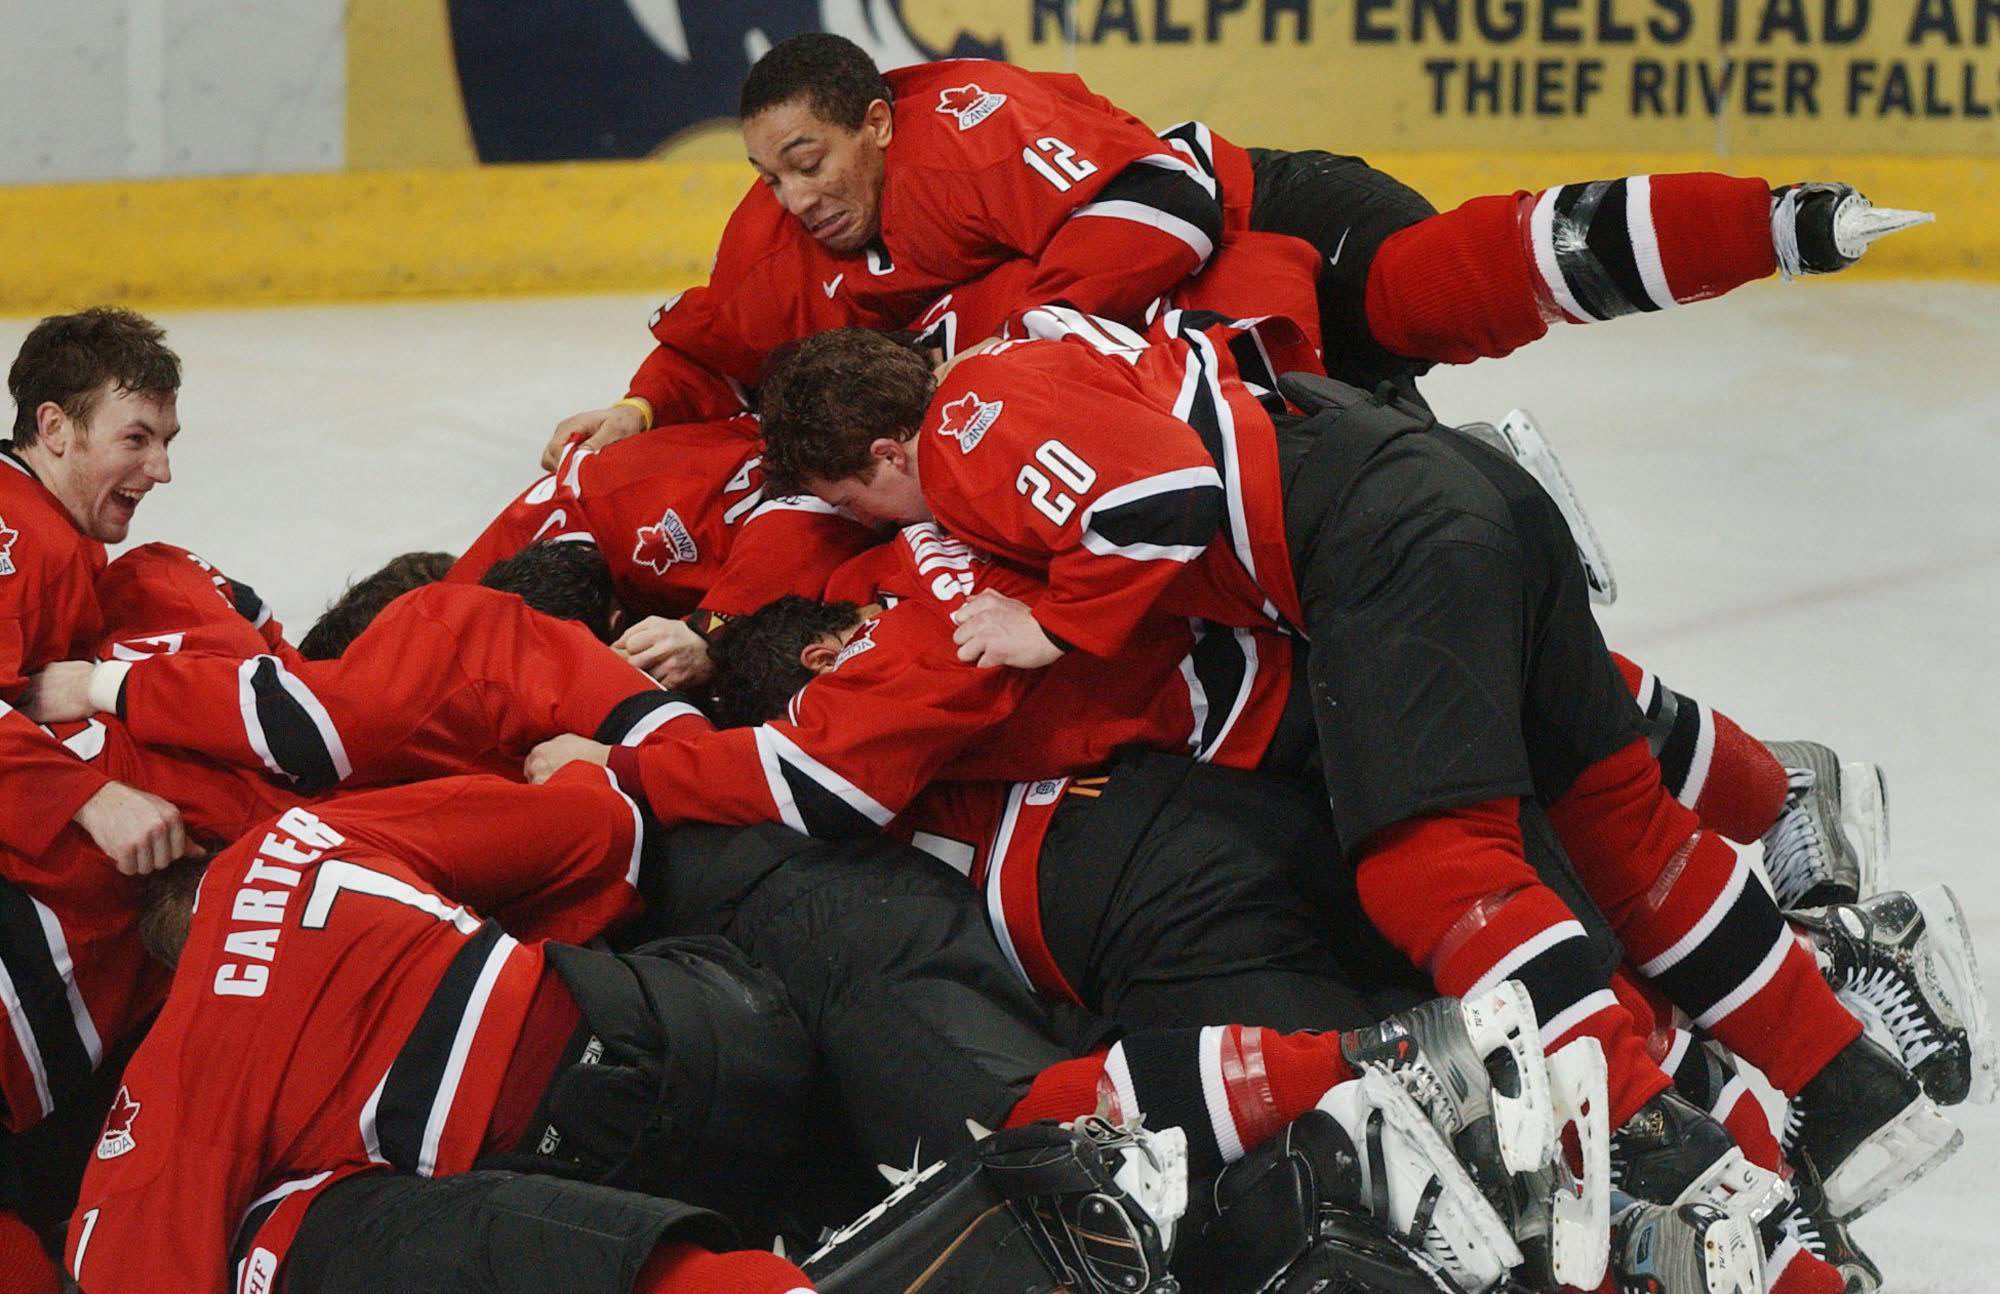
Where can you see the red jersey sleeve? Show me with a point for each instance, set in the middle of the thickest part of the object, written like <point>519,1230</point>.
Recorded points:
<point>185,1188</point>
<point>857,745</point>
<point>160,598</point>
<point>1047,453</point>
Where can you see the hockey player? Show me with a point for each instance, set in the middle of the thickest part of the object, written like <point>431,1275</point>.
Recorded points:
<point>879,192</point>
<point>449,678</point>
<point>225,1153</point>
<point>687,529</point>
<point>94,412</point>
<point>1412,562</point>
<point>363,599</point>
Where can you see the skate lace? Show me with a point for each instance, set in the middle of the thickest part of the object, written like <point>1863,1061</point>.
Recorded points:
<point>1785,233</point>
<point>1889,995</point>
<point>1794,853</point>
<point>1795,1124</point>
<point>1804,1228</point>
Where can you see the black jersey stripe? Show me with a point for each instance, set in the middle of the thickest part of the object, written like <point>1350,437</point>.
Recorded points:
<point>1177,517</point>
<point>289,731</point>
<point>416,1079</point>
<point>1168,190</point>
<point>1222,667</point>
<point>43,994</point>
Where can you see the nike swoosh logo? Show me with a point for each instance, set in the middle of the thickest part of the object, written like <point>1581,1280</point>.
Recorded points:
<point>1338,248</point>
<point>833,285</point>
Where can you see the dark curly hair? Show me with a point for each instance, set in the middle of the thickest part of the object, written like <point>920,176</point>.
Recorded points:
<point>757,666</point>
<point>354,610</point>
<point>567,579</point>
<point>67,359</point>
<point>832,73</point>
<point>825,399</point>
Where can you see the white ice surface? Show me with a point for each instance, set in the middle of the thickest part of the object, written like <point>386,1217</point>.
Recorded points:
<point>1799,487</point>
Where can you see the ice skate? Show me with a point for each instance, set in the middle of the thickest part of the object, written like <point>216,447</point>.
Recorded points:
<point>1520,438</point>
<point>1807,1223</point>
<point>1693,1248</point>
<point>1292,1217</point>
<point>1821,226</point>
<point>1868,1129</point>
<point>1831,842</point>
<point>1904,963</point>
<point>1475,1066</point>
<point>1087,1208</point>
<point>1414,1185</point>
<point>1672,1152</point>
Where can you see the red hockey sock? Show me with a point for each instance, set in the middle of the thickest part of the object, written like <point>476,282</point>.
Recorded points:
<point>1229,1087</point>
<point>680,1268</point>
<point>24,1265</point>
<point>1696,922</point>
<point>1491,275</point>
<point>1711,1081</point>
<point>1455,893</point>
<point>1707,762</point>
<point>1790,1269</point>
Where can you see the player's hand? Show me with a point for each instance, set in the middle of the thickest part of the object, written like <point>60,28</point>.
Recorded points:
<point>994,629</point>
<point>138,830</point>
<point>596,428</point>
<point>58,693</point>
<point>668,650</point>
<point>545,759</point>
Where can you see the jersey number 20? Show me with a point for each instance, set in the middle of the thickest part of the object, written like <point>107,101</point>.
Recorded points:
<point>1072,471</point>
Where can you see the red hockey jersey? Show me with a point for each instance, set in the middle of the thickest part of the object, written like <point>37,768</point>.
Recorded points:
<point>1138,477</point>
<point>450,678</point>
<point>48,612</point>
<point>683,520</point>
<point>990,162</point>
<point>158,599</point>
<point>338,1009</point>
<point>74,979</point>
<point>899,709</point>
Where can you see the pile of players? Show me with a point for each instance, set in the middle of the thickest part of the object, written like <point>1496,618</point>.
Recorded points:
<point>1021,692</point>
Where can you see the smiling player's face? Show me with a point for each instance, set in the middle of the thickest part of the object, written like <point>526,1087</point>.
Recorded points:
<point>827,176</point>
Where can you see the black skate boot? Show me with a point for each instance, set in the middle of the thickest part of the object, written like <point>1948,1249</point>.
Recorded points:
<point>1475,1067</point>
<point>1085,1209</point>
<point>1806,1222</point>
<point>1831,842</point>
<point>1820,227</point>
<point>1904,964</point>
<point>1692,1248</point>
<point>1867,1127</point>
<point>1672,1152</point>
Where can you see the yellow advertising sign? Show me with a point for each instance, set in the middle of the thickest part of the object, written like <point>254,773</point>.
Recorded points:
<point>441,82</point>
<point>1801,76</point>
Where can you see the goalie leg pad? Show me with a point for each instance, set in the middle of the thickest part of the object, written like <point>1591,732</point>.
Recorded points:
<point>1031,1210</point>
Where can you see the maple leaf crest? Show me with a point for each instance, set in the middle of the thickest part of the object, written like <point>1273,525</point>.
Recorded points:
<point>663,544</point>
<point>117,1136</point>
<point>7,538</point>
<point>970,103</point>
<point>967,419</point>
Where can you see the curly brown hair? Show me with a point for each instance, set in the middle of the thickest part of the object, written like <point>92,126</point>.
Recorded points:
<point>67,359</point>
<point>826,399</point>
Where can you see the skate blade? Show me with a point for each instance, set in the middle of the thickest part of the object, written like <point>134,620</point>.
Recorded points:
<point>1857,224</point>
<point>1404,1115</point>
<point>1732,1257</point>
<point>1532,451</point>
<point>1503,1019</point>
<point>1739,1188</point>
<point>1580,1239</point>
<point>1864,819</point>
<point>1957,965</point>
<point>1901,1151</point>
